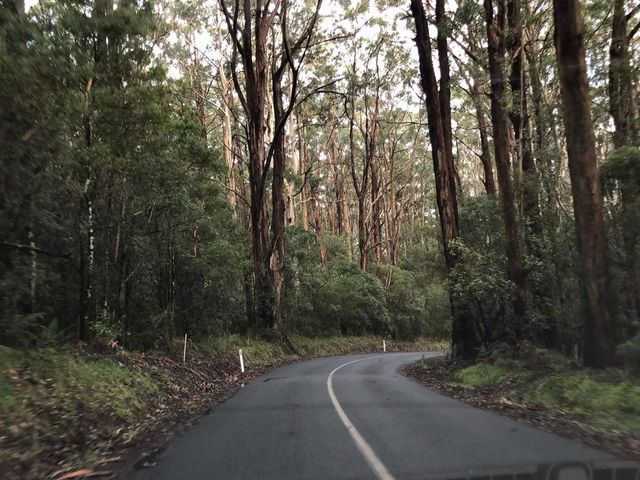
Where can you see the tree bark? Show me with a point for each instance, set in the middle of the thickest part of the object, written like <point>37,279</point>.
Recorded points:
<point>376,221</point>
<point>278,208</point>
<point>464,337</point>
<point>360,187</point>
<point>598,296</point>
<point>496,25</point>
<point>444,94</point>
<point>304,191</point>
<point>527,175</point>
<point>485,152</point>
<point>316,215</point>
<point>623,109</point>
<point>622,103</point>
<point>250,44</point>
<point>227,138</point>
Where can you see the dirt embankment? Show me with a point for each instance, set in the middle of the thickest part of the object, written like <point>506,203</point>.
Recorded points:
<point>106,413</point>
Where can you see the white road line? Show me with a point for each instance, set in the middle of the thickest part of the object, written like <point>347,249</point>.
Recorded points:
<point>367,452</point>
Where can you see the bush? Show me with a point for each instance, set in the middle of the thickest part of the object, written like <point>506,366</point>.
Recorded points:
<point>479,287</point>
<point>629,354</point>
<point>405,301</point>
<point>415,310</point>
<point>351,302</point>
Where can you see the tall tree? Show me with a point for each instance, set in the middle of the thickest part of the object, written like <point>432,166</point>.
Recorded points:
<point>364,122</point>
<point>624,112</point>
<point>485,152</point>
<point>286,62</point>
<point>598,295</point>
<point>622,99</point>
<point>496,27</point>
<point>464,338</point>
<point>519,115</point>
<point>249,28</point>
<point>261,69</point>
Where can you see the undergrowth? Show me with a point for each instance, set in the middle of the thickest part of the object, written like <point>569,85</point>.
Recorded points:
<point>262,352</point>
<point>608,399</point>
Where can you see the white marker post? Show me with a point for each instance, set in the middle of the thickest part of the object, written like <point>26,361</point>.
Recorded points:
<point>384,346</point>
<point>241,361</point>
<point>184,352</point>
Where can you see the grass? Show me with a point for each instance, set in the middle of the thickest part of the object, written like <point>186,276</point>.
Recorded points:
<point>64,386</point>
<point>58,405</point>
<point>486,375</point>
<point>256,351</point>
<point>609,399</point>
<point>262,352</point>
<point>323,346</point>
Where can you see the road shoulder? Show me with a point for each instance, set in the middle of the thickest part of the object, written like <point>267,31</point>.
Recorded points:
<point>505,398</point>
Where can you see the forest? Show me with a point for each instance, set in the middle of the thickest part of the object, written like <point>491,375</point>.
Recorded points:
<point>466,170</point>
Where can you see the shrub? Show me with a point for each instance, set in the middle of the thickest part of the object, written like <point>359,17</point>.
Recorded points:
<point>629,354</point>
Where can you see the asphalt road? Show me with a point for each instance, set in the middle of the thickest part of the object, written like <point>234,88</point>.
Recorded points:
<point>354,417</point>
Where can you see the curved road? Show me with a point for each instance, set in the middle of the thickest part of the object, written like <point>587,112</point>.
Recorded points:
<point>354,417</point>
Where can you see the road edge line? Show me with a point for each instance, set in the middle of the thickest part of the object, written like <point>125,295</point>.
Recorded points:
<point>365,449</point>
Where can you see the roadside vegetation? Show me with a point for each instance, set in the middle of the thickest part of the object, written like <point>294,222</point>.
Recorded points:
<point>605,399</point>
<point>551,391</point>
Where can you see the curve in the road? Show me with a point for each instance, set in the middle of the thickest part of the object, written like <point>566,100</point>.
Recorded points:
<point>284,425</point>
<point>367,452</point>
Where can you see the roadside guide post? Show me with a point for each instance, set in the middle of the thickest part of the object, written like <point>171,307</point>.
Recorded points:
<point>184,352</point>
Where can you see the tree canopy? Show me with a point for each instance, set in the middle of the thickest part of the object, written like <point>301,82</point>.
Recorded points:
<point>457,169</point>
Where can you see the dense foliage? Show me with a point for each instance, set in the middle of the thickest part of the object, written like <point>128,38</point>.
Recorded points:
<point>142,198</point>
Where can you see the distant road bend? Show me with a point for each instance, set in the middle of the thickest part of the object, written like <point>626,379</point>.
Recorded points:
<point>356,417</point>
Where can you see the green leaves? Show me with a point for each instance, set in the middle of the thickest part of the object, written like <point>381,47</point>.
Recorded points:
<point>623,165</point>
<point>90,121</point>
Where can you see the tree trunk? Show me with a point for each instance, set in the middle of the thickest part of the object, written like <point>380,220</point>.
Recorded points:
<point>621,96</point>
<point>495,46</point>
<point>362,234</point>
<point>360,188</point>
<point>527,175</point>
<point>464,337</point>
<point>251,45</point>
<point>485,152</point>
<point>304,191</point>
<point>227,138</point>
<point>376,225</point>
<point>316,215</point>
<point>599,299</point>
<point>199,96</point>
<point>392,212</point>
<point>444,95</point>
<point>623,109</point>
<point>338,183</point>
<point>276,260</point>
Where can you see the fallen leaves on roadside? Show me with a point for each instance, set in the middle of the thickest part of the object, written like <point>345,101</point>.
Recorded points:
<point>68,436</point>
<point>82,473</point>
<point>109,460</point>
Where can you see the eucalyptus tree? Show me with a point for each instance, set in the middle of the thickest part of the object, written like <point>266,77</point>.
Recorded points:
<point>252,28</point>
<point>438,100</point>
<point>496,28</point>
<point>599,301</point>
<point>623,108</point>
